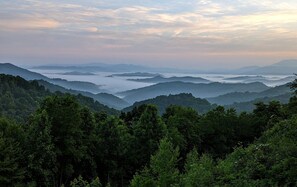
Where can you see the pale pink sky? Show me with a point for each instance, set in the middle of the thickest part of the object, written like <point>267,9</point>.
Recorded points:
<point>176,33</point>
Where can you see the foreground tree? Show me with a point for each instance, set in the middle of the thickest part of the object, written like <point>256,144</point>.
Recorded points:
<point>11,154</point>
<point>163,170</point>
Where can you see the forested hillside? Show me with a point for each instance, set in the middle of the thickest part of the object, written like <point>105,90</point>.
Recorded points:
<point>19,98</point>
<point>187,100</point>
<point>65,143</point>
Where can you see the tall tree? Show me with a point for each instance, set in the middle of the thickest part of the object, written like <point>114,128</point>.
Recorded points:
<point>64,117</point>
<point>11,154</point>
<point>42,157</point>
<point>148,131</point>
<point>163,170</point>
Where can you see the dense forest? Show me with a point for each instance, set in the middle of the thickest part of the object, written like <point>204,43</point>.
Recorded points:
<point>19,98</point>
<point>62,141</point>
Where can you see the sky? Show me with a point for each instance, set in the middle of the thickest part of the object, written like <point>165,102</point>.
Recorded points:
<point>166,33</point>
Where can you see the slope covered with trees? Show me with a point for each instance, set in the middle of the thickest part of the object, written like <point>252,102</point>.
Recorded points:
<point>19,98</point>
<point>65,143</point>
<point>186,100</point>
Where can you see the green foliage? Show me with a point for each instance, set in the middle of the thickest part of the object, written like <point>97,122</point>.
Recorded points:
<point>183,99</point>
<point>183,129</point>
<point>79,182</point>
<point>148,130</point>
<point>42,157</point>
<point>11,170</point>
<point>271,161</point>
<point>19,98</point>
<point>64,143</point>
<point>199,171</point>
<point>163,170</point>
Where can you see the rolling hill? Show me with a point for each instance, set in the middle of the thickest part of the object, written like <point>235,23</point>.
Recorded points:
<point>104,98</point>
<point>11,69</point>
<point>249,106</point>
<point>134,74</point>
<point>269,82</point>
<point>197,90</point>
<point>186,100</point>
<point>20,97</point>
<point>236,97</point>
<point>161,79</point>
<point>285,67</point>
<point>73,87</point>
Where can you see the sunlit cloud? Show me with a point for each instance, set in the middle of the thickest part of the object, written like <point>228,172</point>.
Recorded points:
<point>28,23</point>
<point>189,29</point>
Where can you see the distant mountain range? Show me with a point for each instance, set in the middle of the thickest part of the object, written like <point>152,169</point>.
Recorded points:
<point>161,79</point>
<point>186,100</point>
<point>20,98</point>
<point>135,74</point>
<point>11,69</point>
<point>172,90</point>
<point>285,67</point>
<point>198,90</point>
<point>237,97</point>
<point>100,67</point>
<point>249,106</point>
<point>104,98</point>
<point>77,73</point>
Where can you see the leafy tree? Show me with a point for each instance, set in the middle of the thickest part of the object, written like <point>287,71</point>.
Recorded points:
<point>183,129</point>
<point>217,129</point>
<point>42,157</point>
<point>163,170</point>
<point>11,153</point>
<point>64,116</point>
<point>114,152</point>
<point>79,182</point>
<point>271,161</point>
<point>199,171</point>
<point>147,131</point>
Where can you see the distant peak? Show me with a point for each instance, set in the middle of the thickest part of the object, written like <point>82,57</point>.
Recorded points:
<point>288,62</point>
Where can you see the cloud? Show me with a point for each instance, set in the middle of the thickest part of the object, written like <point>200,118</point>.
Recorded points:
<point>145,27</point>
<point>27,22</point>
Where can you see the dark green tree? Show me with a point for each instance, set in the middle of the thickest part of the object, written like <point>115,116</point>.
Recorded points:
<point>11,154</point>
<point>41,153</point>
<point>147,131</point>
<point>64,117</point>
<point>163,170</point>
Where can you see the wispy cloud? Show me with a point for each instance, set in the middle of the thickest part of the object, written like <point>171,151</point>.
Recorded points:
<point>192,28</point>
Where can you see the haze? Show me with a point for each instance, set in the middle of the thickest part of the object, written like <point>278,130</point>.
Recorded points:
<point>175,33</point>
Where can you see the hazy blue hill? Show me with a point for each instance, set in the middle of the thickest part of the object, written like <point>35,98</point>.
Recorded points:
<point>11,69</point>
<point>77,85</point>
<point>135,74</point>
<point>77,73</point>
<point>285,67</point>
<point>244,78</point>
<point>186,100</point>
<point>231,98</point>
<point>100,67</point>
<point>198,90</point>
<point>161,79</point>
<point>111,100</point>
<point>104,98</point>
<point>249,79</point>
<point>20,97</point>
<point>245,69</point>
<point>249,106</point>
